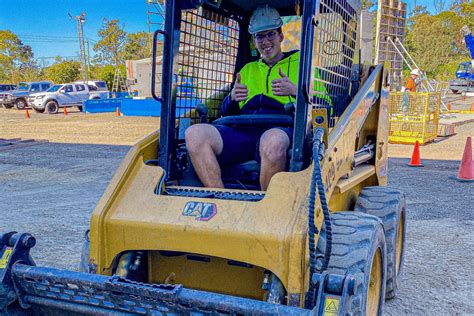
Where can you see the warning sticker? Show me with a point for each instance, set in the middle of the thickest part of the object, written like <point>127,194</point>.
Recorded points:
<point>331,306</point>
<point>6,255</point>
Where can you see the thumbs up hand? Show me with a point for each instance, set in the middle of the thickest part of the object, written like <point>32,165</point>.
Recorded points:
<point>283,86</point>
<point>240,91</point>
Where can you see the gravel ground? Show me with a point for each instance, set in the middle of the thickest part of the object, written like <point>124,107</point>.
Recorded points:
<point>53,198</point>
<point>50,190</point>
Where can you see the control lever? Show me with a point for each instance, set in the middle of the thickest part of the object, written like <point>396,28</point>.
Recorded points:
<point>290,108</point>
<point>202,110</point>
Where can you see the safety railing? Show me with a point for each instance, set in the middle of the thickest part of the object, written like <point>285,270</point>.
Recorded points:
<point>413,117</point>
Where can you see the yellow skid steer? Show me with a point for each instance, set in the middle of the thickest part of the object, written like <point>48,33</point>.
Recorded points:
<point>325,238</point>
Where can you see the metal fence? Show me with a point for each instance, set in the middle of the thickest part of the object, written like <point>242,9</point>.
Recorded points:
<point>333,56</point>
<point>413,117</point>
<point>206,61</point>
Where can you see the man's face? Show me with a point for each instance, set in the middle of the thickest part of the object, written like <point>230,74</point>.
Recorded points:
<point>268,43</point>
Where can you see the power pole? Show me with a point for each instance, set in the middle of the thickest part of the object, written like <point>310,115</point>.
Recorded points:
<point>88,58</point>
<point>81,19</point>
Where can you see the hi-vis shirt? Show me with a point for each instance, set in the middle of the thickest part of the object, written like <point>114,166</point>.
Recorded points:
<point>258,77</point>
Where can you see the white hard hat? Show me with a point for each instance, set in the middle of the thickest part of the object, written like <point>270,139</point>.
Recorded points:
<point>416,72</point>
<point>264,18</point>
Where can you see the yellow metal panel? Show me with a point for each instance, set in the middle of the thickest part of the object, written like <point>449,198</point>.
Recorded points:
<point>270,234</point>
<point>208,274</point>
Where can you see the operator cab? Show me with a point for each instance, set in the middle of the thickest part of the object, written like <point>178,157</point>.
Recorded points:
<point>208,43</point>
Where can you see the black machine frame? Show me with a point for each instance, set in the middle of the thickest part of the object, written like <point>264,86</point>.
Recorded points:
<point>170,94</point>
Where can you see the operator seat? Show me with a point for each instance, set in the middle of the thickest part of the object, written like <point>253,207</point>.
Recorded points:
<point>244,175</point>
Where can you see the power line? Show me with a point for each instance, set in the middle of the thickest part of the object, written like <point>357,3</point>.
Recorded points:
<point>54,57</point>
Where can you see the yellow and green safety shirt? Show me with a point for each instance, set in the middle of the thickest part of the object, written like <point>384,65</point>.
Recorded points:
<point>258,77</point>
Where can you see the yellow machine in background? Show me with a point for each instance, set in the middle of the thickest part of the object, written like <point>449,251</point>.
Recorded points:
<point>325,238</point>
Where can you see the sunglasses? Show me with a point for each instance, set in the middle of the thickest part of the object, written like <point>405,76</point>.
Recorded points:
<point>270,36</point>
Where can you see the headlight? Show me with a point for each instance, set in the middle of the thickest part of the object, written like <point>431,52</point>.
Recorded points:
<point>39,97</point>
<point>9,97</point>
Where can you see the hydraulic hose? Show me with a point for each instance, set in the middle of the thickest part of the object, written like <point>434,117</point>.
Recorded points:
<point>317,181</point>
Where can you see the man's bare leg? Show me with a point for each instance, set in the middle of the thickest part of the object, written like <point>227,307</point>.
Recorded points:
<point>204,143</point>
<point>274,144</point>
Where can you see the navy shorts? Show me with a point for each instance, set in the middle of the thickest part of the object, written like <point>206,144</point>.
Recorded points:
<point>241,143</point>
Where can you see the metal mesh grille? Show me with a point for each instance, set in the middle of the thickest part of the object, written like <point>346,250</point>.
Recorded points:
<point>333,53</point>
<point>206,61</point>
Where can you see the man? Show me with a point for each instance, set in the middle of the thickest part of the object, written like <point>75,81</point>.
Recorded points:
<point>261,87</point>
<point>410,85</point>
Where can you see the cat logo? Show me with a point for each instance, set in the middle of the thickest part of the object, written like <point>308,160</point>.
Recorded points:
<point>200,210</point>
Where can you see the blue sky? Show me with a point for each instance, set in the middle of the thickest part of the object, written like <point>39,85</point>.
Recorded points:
<point>32,20</point>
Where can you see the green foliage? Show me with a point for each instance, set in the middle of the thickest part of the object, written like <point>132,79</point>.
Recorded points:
<point>137,46</point>
<point>63,71</point>
<point>435,42</point>
<point>15,57</point>
<point>367,4</point>
<point>110,47</point>
<point>106,73</point>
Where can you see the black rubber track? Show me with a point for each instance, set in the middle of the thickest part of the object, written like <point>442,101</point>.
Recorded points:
<point>390,206</point>
<point>356,238</point>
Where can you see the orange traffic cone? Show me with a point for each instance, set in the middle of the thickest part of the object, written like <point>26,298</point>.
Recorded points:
<point>472,107</point>
<point>65,111</point>
<point>449,106</point>
<point>466,169</point>
<point>415,157</point>
<point>117,111</point>
<point>463,96</point>
<point>27,114</point>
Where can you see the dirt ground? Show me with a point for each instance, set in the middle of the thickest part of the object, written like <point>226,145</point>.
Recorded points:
<point>51,189</point>
<point>77,127</point>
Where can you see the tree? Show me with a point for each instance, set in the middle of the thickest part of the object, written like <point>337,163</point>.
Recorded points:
<point>367,4</point>
<point>137,46</point>
<point>106,73</point>
<point>439,5</point>
<point>110,47</point>
<point>14,56</point>
<point>435,42</point>
<point>63,71</point>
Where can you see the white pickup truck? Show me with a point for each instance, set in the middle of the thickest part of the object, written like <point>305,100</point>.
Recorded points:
<point>67,95</point>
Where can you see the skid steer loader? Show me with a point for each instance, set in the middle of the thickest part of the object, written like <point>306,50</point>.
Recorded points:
<point>325,238</point>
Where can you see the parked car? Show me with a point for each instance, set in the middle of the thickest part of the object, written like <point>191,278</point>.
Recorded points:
<point>63,95</point>
<point>98,87</point>
<point>19,96</point>
<point>4,88</point>
<point>7,87</point>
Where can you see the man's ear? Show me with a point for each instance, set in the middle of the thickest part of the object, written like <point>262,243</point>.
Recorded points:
<point>282,36</point>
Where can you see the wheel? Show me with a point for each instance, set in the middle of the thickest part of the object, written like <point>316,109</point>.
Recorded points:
<point>20,104</point>
<point>358,248</point>
<point>132,265</point>
<point>79,107</point>
<point>390,206</point>
<point>455,91</point>
<point>38,110</point>
<point>52,107</point>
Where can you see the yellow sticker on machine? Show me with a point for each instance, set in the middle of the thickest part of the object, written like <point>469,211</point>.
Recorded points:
<point>331,306</point>
<point>5,256</point>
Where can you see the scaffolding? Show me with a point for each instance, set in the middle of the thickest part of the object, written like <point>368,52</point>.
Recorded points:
<point>391,20</point>
<point>156,15</point>
<point>427,85</point>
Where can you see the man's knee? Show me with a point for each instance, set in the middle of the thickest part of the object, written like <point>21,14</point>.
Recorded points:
<point>199,135</point>
<point>273,145</point>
